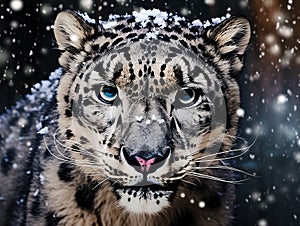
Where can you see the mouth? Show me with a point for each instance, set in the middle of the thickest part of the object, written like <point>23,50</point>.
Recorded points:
<point>144,199</point>
<point>144,192</point>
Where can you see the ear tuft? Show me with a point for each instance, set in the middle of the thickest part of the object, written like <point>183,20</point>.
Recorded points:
<point>231,35</point>
<point>70,30</point>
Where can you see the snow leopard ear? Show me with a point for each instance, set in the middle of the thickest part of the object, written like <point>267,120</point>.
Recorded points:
<point>70,30</point>
<point>232,36</point>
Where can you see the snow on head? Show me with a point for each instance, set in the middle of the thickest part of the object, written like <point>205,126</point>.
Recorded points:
<point>109,25</point>
<point>159,18</point>
<point>197,23</point>
<point>86,17</point>
<point>211,22</point>
<point>144,17</point>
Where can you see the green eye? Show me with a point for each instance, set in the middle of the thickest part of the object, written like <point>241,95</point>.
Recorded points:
<point>107,94</point>
<point>187,97</point>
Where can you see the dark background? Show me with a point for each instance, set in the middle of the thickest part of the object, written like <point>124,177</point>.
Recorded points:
<point>270,85</point>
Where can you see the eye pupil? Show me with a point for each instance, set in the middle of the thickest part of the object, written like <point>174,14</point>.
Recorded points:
<point>107,94</point>
<point>187,97</point>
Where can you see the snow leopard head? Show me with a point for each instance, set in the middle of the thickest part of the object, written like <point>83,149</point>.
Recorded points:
<point>147,101</point>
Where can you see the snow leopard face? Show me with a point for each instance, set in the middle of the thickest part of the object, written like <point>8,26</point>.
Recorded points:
<point>146,105</point>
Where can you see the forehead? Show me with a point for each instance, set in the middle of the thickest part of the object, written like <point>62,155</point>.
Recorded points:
<point>155,65</point>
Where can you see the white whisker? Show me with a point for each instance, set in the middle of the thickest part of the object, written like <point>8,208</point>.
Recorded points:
<point>101,182</point>
<point>224,168</point>
<point>220,159</point>
<point>63,158</point>
<point>204,176</point>
<point>188,182</point>
<point>243,149</point>
<point>81,149</point>
<point>58,149</point>
<point>55,156</point>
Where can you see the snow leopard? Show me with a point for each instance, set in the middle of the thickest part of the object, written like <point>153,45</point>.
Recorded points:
<point>133,128</point>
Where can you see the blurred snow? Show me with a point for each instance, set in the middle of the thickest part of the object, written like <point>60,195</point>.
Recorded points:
<point>86,4</point>
<point>209,2</point>
<point>16,5</point>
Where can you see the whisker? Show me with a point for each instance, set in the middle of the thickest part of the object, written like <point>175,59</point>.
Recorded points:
<point>224,168</point>
<point>188,182</point>
<point>101,182</point>
<point>204,176</point>
<point>55,144</point>
<point>58,150</point>
<point>82,150</point>
<point>220,159</point>
<point>231,150</point>
<point>176,178</point>
<point>240,138</point>
<point>117,181</point>
<point>69,160</point>
<point>74,161</point>
<point>55,156</point>
<point>244,149</point>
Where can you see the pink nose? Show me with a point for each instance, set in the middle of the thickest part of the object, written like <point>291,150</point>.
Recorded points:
<point>145,163</point>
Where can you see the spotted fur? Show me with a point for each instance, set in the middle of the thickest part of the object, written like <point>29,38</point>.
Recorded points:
<point>147,158</point>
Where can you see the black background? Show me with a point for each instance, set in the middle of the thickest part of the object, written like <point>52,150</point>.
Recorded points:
<point>270,85</point>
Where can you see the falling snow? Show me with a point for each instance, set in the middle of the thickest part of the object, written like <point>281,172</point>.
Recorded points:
<point>16,5</point>
<point>240,112</point>
<point>262,222</point>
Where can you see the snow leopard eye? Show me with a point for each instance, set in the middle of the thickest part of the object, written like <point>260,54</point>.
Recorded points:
<point>107,94</point>
<point>187,97</point>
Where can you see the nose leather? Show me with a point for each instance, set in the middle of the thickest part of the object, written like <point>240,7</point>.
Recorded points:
<point>145,163</point>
